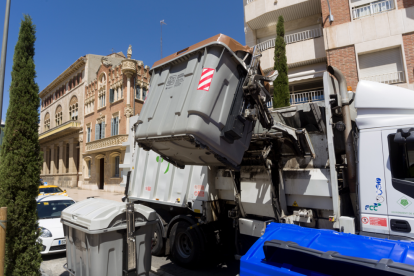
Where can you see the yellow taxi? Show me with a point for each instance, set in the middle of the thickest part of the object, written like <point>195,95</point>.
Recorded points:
<point>51,190</point>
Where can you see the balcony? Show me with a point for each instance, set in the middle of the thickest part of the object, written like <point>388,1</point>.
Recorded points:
<point>263,13</point>
<point>304,48</point>
<point>109,143</point>
<point>388,78</point>
<point>292,38</point>
<point>372,8</point>
<point>304,97</point>
<point>61,130</point>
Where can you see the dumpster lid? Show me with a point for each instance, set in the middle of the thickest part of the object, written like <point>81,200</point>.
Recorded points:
<point>316,250</point>
<point>97,213</point>
<point>220,38</point>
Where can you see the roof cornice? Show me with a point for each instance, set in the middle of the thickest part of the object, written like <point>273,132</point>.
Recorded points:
<point>70,70</point>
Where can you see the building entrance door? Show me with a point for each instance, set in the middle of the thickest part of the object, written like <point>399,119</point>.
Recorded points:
<point>101,173</point>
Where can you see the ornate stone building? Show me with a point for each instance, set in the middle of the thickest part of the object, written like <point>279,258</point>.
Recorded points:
<point>115,94</point>
<point>60,130</point>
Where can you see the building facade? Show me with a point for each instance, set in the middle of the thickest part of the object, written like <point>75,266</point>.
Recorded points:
<point>115,94</point>
<point>88,94</point>
<point>365,39</point>
<point>61,125</point>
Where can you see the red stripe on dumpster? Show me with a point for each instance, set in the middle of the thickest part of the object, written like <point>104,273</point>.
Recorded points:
<point>205,79</point>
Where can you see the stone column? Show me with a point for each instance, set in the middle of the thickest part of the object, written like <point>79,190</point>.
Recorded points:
<point>44,170</point>
<point>80,160</point>
<point>128,89</point>
<point>62,168</point>
<point>129,68</point>
<point>52,161</point>
<point>72,168</point>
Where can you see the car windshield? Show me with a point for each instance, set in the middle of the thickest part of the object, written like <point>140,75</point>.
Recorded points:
<point>50,190</point>
<point>52,209</point>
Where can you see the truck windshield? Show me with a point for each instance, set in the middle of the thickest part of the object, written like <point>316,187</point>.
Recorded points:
<point>50,190</point>
<point>52,209</point>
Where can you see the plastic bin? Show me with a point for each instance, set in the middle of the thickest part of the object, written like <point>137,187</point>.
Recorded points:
<point>287,249</point>
<point>96,238</point>
<point>192,113</point>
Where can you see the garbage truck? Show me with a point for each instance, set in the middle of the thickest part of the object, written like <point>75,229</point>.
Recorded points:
<point>219,167</point>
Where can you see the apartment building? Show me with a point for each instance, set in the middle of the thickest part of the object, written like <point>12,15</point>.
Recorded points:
<point>116,93</point>
<point>366,40</point>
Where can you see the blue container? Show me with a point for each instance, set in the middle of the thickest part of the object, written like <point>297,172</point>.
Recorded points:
<point>287,249</point>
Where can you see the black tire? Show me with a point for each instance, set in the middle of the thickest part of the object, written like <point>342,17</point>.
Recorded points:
<point>186,249</point>
<point>158,242</point>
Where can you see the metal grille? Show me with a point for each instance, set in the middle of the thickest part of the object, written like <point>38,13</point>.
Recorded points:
<point>292,38</point>
<point>58,247</point>
<point>372,8</point>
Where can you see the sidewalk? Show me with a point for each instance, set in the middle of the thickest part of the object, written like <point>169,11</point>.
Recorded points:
<point>79,194</point>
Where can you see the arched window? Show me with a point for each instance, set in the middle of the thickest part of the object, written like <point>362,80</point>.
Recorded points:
<point>58,116</point>
<point>73,109</point>
<point>47,121</point>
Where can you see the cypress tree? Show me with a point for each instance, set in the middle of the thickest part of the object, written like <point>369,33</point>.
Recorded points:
<point>20,159</point>
<point>281,95</point>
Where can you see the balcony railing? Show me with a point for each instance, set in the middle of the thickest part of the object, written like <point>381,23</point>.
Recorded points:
<point>292,38</point>
<point>304,97</point>
<point>107,143</point>
<point>249,1</point>
<point>373,8</point>
<point>388,78</point>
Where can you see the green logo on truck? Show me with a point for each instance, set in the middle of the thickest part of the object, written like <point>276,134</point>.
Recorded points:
<point>404,202</point>
<point>159,159</point>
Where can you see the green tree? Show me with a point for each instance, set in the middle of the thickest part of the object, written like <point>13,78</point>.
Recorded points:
<point>281,96</point>
<point>20,159</point>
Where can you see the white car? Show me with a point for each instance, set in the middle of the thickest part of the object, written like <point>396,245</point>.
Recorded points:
<point>49,209</point>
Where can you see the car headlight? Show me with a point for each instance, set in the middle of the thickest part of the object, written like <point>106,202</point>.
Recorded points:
<point>45,233</point>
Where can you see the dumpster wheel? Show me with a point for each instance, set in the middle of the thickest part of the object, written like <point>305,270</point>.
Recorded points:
<point>158,242</point>
<point>186,248</point>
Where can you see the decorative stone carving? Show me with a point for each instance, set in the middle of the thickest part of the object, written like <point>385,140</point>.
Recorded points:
<point>107,142</point>
<point>101,118</point>
<point>128,66</point>
<point>128,111</point>
<point>129,52</point>
<point>105,61</point>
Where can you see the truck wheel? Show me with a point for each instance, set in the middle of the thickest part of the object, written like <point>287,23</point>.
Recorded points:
<point>158,242</point>
<point>185,246</point>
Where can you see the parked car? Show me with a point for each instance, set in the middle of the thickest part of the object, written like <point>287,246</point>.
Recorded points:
<point>49,209</point>
<point>51,190</point>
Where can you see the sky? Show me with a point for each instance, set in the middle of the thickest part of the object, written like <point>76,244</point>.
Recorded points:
<point>67,30</point>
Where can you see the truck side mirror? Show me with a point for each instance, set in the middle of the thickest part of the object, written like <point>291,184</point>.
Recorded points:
<point>404,135</point>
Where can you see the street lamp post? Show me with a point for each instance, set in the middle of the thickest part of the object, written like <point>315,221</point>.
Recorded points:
<point>3,55</point>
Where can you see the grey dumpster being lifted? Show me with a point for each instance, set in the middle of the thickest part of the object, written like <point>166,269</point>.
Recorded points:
<point>195,112</point>
<point>105,237</point>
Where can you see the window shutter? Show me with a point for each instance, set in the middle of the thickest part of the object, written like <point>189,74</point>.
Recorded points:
<point>103,130</point>
<point>97,132</point>
<point>116,125</point>
<point>380,63</point>
<point>111,95</point>
<point>112,126</point>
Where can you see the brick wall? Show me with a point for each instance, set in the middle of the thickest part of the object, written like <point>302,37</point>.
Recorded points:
<point>344,59</point>
<point>340,11</point>
<point>403,4</point>
<point>408,41</point>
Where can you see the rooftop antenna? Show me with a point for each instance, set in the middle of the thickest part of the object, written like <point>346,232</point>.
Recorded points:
<point>162,23</point>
